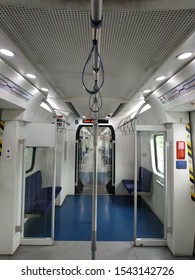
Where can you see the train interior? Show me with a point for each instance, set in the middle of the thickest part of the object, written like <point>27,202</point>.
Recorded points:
<point>97,130</point>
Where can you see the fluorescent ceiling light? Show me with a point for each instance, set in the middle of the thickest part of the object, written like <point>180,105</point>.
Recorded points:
<point>146,91</point>
<point>45,106</point>
<point>31,76</point>
<point>147,107</point>
<point>133,115</point>
<point>184,55</point>
<point>7,52</point>
<point>161,78</point>
<point>44,89</point>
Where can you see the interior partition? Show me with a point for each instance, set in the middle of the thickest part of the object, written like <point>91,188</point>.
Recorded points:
<point>150,186</point>
<point>39,184</point>
<point>38,193</point>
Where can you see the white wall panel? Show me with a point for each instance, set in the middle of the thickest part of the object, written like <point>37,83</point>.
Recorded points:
<point>40,135</point>
<point>10,187</point>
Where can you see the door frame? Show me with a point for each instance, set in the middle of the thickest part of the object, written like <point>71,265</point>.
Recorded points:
<point>77,150</point>
<point>149,241</point>
<point>32,140</point>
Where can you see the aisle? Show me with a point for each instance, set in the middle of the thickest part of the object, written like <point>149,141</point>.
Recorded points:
<point>114,217</point>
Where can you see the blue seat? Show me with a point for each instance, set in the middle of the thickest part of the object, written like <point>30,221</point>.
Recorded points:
<point>144,182</point>
<point>38,200</point>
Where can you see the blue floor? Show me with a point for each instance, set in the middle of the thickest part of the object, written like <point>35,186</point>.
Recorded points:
<point>115,220</point>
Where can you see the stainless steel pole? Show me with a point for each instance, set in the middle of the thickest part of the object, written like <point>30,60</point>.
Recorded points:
<point>94,194</point>
<point>96,17</point>
<point>165,186</point>
<point>96,10</point>
<point>54,185</point>
<point>23,143</point>
<point>135,184</point>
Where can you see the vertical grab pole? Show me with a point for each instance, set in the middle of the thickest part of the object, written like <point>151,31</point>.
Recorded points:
<point>54,185</point>
<point>94,194</point>
<point>23,143</point>
<point>77,163</point>
<point>166,146</point>
<point>96,16</point>
<point>135,172</point>
<point>135,184</point>
<point>113,163</point>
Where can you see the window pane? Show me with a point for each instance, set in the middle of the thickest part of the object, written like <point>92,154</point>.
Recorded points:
<point>29,158</point>
<point>159,152</point>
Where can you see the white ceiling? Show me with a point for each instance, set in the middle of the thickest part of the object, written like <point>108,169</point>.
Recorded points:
<point>137,38</point>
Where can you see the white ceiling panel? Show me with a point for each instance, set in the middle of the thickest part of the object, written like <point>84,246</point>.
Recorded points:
<point>55,36</point>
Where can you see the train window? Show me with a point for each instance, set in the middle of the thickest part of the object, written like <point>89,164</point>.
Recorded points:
<point>30,158</point>
<point>157,143</point>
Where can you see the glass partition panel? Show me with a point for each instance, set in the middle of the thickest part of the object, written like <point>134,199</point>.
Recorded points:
<point>151,192</point>
<point>37,194</point>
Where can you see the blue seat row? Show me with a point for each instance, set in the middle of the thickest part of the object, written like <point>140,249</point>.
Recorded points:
<point>144,182</point>
<point>38,200</point>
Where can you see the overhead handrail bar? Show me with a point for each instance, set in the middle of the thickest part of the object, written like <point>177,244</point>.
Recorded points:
<point>66,121</point>
<point>50,107</point>
<point>135,117</point>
